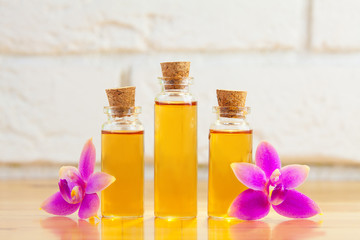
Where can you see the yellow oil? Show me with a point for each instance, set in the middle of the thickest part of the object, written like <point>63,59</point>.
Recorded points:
<point>226,147</point>
<point>122,156</point>
<point>175,159</point>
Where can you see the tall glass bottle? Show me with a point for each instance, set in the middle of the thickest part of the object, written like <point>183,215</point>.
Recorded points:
<point>175,144</point>
<point>122,156</point>
<point>230,140</point>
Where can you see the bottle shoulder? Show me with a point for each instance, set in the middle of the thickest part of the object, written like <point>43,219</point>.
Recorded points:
<point>175,97</point>
<point>122,126</point>
<point>239,125</point>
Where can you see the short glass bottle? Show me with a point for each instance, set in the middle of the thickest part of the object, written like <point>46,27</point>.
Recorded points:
<point>230,141</point>
<point>122,156</point>
<point>175,150</point>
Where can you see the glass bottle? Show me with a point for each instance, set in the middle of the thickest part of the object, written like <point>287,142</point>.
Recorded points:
<point>230,140</point>
<point>175,150</point>
<point>122,156</point>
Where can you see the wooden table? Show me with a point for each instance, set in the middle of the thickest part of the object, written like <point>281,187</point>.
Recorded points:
<point>21,218</point>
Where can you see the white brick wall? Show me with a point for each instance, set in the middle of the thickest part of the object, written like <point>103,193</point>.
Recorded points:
<point>336,25</point>
<point>57,57</point>
<point>306,106</point>
<point>67,26</point>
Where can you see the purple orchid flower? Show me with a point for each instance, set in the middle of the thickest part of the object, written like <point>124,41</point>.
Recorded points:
<point>78,187</point>
<point>254,203</point>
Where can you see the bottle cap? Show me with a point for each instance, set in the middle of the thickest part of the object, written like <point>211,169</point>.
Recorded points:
<point>175,70</point>
<point>174,74</point>
<point>233,100</point>
<point>123,97</point>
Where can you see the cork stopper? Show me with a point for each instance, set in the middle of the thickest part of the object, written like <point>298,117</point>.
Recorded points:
<point>124,98</point>
<point>174,73</point>
<point>175,70</point>
<point>233,100</point>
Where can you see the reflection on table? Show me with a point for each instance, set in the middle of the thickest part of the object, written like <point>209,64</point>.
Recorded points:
<point>120,228</point>
<point>173,228</point>
<point>235,230</point>
<point>67,228</point>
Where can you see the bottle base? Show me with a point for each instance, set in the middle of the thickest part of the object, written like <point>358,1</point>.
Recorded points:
<point>121,217</point>
<point>227,218</point>
<point>169,218</point>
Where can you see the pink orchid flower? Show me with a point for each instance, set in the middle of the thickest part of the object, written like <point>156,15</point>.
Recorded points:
<point>254,203</point>
<point>78,187</point>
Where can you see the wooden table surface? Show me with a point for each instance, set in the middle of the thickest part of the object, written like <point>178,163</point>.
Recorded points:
<point>21,218</point>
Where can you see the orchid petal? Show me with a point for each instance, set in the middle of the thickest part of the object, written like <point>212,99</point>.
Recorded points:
<point>98,182</point>
<point>77,194</point>
<point>65,190</point>
<point>87,160</point>
<point>250,175</point>
<point>250,205</point>
<point>74,182</point>
<point>267,158</point>
<point>278,195</point>
<point>297,205</point>
<point>89,206</point>
<point>275,177</point>
<point>294,175</point>
<point>56,205</point>
<point>72,176</point>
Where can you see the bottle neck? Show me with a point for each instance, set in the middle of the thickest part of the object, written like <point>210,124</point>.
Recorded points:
<point>231,115</point>
<point>129,119</point>
<point>122,115</point>
<point>226,119</point>
<point>175,86</point>
<point>231,124</point>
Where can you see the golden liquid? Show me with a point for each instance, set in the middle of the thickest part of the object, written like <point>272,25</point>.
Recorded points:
<point>122,229</point>
<point>174,229</point>
<point>226,147</point>
<point>122,155</point>
<point>175,159</point>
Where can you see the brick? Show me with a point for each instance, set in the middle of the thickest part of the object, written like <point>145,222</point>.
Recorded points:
<point>51,106</point>
<point>227,25</point>
<point>111,26</point>
<point>335,25</point>
<point>70,27</point>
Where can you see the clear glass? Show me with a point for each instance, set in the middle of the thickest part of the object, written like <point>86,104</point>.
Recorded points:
<point>173,93</point>
<point>175,151</point>
<point>122,155</point>
<point>230,140</point>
